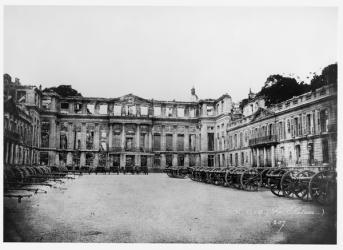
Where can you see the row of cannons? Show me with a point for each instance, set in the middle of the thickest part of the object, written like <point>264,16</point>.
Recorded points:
<point>317,184</point>
<point>24,181</point>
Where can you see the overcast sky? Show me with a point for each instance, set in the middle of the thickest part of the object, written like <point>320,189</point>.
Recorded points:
<point>161,52</point>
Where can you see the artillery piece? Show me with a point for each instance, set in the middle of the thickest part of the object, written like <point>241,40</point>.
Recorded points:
<point>176,172</point>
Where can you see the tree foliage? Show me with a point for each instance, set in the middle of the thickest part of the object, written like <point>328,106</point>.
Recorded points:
<point>328,76</point>
<point>279,88</point>
<point>64,90</point>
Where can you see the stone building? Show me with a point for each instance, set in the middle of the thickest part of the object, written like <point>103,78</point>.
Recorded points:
<point>130,130</point>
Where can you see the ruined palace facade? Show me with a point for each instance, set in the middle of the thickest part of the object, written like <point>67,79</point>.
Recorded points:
<point>129,130</point>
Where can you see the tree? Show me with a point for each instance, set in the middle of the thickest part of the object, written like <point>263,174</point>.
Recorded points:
<point>328,76</point>
<point>63,90</point>
<point>278,88</point>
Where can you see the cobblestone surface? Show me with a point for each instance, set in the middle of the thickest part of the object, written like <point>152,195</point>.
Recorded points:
<point>156,208</point>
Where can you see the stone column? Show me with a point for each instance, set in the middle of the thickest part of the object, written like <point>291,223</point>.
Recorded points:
<point>83,136</point>
<point>175,141</point>
<point>84,108</point>
<point>123,136</point>
<point>257,157</point>
<point>197,160</point>
<point>264,157</point>
<point>163,139</point>
<point>150,139</point>
<point>71,107</point>
<point>138,160</point>
<point>96,108</point>
<point>174,160</point>
<point>96,160</point>
<point>186,140</point>
<point>6,152</point>
<point>57,159</point>
<point>96,137</point>
<point>273,156</point>
<point>70,135</point>
<point>82,159</point>
<point>110,137</point>
<point>69,158</point>
<point>138,135</point>
<point>52,135</point>
<point>12,153</point>
<point>163,160</point>
<point>186,163</point>
<point>58,136</point>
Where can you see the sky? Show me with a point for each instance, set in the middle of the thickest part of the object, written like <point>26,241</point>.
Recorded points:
<point>161,52</point>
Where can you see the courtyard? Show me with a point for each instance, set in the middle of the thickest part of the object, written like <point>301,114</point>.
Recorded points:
<point>157,209</point>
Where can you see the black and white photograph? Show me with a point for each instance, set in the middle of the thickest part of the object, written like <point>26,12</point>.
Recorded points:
<point>170,124</point>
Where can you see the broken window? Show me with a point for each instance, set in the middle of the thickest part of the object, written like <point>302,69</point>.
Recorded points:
<point>210,141</point>
<point>64,107</point>
<point>78,108</point>
<point>180,160</point>
<point>117,110</point>
<point>21,96</point>
<point>64,135</point>
<point>169,160</point>
<point>102,159</point>
<point>210,160</point>
<point>131,110</point>
<point>157,160</point>
<point>76,160</point>
<point>44,158</point>
<point>63,158</point>
<point>169,111</point>
<point>180,112</point>
<point>77,137</point>
<point>169,142</point>
<point>103,109</point>
<point>90,136</point>
<point>90,108</point>
<point>191,112</point>
<point>144,110</point>
<point>192,160</point>
<point>46,103</point>
<point>191,142</point>
<point>209,110</point>
<point>103,138</point>
<point>45,131</point>
<point>324,120</point>
<point>89,159</point>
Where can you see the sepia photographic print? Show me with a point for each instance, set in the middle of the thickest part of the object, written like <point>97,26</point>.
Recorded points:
<point>170,124</point>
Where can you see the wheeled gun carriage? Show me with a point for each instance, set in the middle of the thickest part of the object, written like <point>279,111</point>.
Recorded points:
<point>176,172</point>
<point>18,178</point>
<point>248,179</point>
<point>315,183</point>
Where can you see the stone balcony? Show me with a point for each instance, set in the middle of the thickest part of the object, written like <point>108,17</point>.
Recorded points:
<point>264,140</point>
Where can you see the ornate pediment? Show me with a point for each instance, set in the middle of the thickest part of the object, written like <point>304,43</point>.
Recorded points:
<point>131,99</point>
<point>262,113</point>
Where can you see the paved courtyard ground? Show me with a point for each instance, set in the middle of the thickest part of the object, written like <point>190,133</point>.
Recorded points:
<point>156,208</point>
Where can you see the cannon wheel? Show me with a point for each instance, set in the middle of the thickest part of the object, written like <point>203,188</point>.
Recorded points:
<point>303,188</point>
<point>228,176</point>
<point>289,184</point>
<point>275,188</point>
<point>322,187</point>
<point>250,180</point>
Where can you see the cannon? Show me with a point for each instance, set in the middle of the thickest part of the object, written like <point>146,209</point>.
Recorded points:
<point>176,172</point>
<point>323,187</point>
<point>274,177</point>
<point>248,179</point>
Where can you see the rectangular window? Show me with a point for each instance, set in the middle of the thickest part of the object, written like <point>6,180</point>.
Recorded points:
<point>210,141</point>
<point>209,110</point>
<point>242,158</point>
<point>210,160</point>
<point>144,110</point>
<point>325,148</point>
<point>103,109</point>
<point>157,142</point>
<point>169,142</point>
<point>169,111</point>
<point>180,142</point>
<point>117,110</point>
<point>169,160</point>
<point>324,121</point>
<point>180,160</point>
<point>157,160</point>
<point>191,160</point>
<point>157,111</point>
<point>64,105</point>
